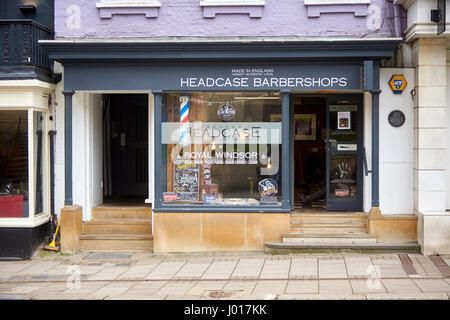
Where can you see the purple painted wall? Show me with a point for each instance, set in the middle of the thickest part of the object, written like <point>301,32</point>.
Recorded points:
<point>184,18</point>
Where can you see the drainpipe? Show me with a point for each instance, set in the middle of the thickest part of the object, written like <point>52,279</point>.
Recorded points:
<point>52,134</point>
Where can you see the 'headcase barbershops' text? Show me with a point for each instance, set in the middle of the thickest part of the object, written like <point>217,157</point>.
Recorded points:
<point>238,82</point>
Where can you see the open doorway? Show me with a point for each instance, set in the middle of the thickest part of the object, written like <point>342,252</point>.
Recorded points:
<point>125,149</point>
<point>310,152</point>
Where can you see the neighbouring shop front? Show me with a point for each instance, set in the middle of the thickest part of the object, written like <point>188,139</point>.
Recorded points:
<point>26,137</point>
<point>230,124</point>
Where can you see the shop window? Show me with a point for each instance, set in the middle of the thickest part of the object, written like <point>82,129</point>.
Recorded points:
<point>108,8</point>
<point>14,196</point>
<point>251,7</point>
<point>221,149</point>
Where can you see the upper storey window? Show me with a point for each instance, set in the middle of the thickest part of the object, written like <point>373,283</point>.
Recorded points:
<point>122,7</point>
<point>251,7</point>
<point>316,7</point>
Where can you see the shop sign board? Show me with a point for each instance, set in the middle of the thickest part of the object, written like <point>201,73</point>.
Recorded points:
<point>218,77</point>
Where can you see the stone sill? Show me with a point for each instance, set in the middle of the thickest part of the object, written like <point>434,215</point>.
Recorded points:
<point>328,2</point>
<point>317,7</point>
<point>212,7</point>
<point>109,8</point>
<point>217,3</point>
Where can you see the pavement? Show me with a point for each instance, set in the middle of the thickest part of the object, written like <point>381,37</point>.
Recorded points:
<point>225,276</point>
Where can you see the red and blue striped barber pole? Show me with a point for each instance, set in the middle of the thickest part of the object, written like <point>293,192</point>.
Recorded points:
<point>184,119</point>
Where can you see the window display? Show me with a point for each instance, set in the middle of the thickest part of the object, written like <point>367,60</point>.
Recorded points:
<point>13,164</point>
<point>221,149</point>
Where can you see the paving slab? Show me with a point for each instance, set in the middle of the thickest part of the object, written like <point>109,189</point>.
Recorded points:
<point>304,268</point>
<point>240,288</point>
<point>359,269</point>
<point>418,296</point>
<point>109,256</point>
<point>7,296</point>
<point>112,289</point>
<point>365,286</point>
<point>85,287</point>
<point>136,272</point>
<point>175,288</point>
<point>432,285</point>
<point>275,269</point>
<point>332,268</point>
<point>165,270</point>
<point>321,297</point>
<point>109,273</point>
<point>335,287</point>
<point>39,268</point>
<point>220,269</point>
<point>269,287</point>
<point>404,286</point>
<point>302,287</point>
<point>248,269</point>
<point>193,269</point>
<point>90,270</point>
<point>26,288</point>
<point>202,286</point>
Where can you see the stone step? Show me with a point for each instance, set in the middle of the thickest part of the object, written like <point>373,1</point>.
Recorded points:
<point>327,227</point>
<point>118,226</point>
<point>329,217</point>
<point>111,212</point>
<point>114,242</point>
<point>329,238</point>
<point>292,248</point>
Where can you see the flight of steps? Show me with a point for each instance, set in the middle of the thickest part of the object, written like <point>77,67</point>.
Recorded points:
<point>118,229</point>
<point>333,232</point>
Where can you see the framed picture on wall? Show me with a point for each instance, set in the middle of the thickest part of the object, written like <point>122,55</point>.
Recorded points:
<point>305,126</point>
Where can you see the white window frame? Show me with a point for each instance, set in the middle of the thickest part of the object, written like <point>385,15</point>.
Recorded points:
<point>251,7</point>
<point>333,2</point>
<point>231,3</point>
<point>34,219</point>
<point>128,4</point>
<point>108,8</point>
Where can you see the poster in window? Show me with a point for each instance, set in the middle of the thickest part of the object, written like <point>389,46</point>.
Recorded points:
<point>344,120</point>
<point>186,182</point>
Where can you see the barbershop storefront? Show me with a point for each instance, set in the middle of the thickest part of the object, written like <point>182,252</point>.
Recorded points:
<point>240,132</point>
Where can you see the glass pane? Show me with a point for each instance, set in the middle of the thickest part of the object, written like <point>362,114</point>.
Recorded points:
<point>38,166</point>
<point>343,134</point>
<point>13,164</point>
<point>222,149</point>
<point>343,177</point>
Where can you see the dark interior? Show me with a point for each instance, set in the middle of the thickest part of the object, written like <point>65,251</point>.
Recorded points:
<point>309,150</point>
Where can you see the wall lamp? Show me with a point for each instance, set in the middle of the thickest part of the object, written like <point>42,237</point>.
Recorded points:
<point>27,8</point>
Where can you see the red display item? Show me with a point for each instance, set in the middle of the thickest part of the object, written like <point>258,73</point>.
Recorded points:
<point>11,206</point>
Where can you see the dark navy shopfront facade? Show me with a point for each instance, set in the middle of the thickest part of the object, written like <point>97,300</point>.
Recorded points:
<point>274,72</point>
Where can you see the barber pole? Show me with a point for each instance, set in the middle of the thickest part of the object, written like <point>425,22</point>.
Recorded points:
<point>184,119</point>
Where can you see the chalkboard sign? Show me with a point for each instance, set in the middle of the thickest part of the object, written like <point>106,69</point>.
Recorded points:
<point>396,118</point>
<point>186,182</point>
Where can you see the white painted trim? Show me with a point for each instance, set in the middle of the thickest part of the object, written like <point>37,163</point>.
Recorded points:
<point>128,4</point>
<point>151,147</point>
<point>334,2</point>
<point>231,3</point>
<point>32,84</point>
<point>24,222</point>
<point>31,194</point>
